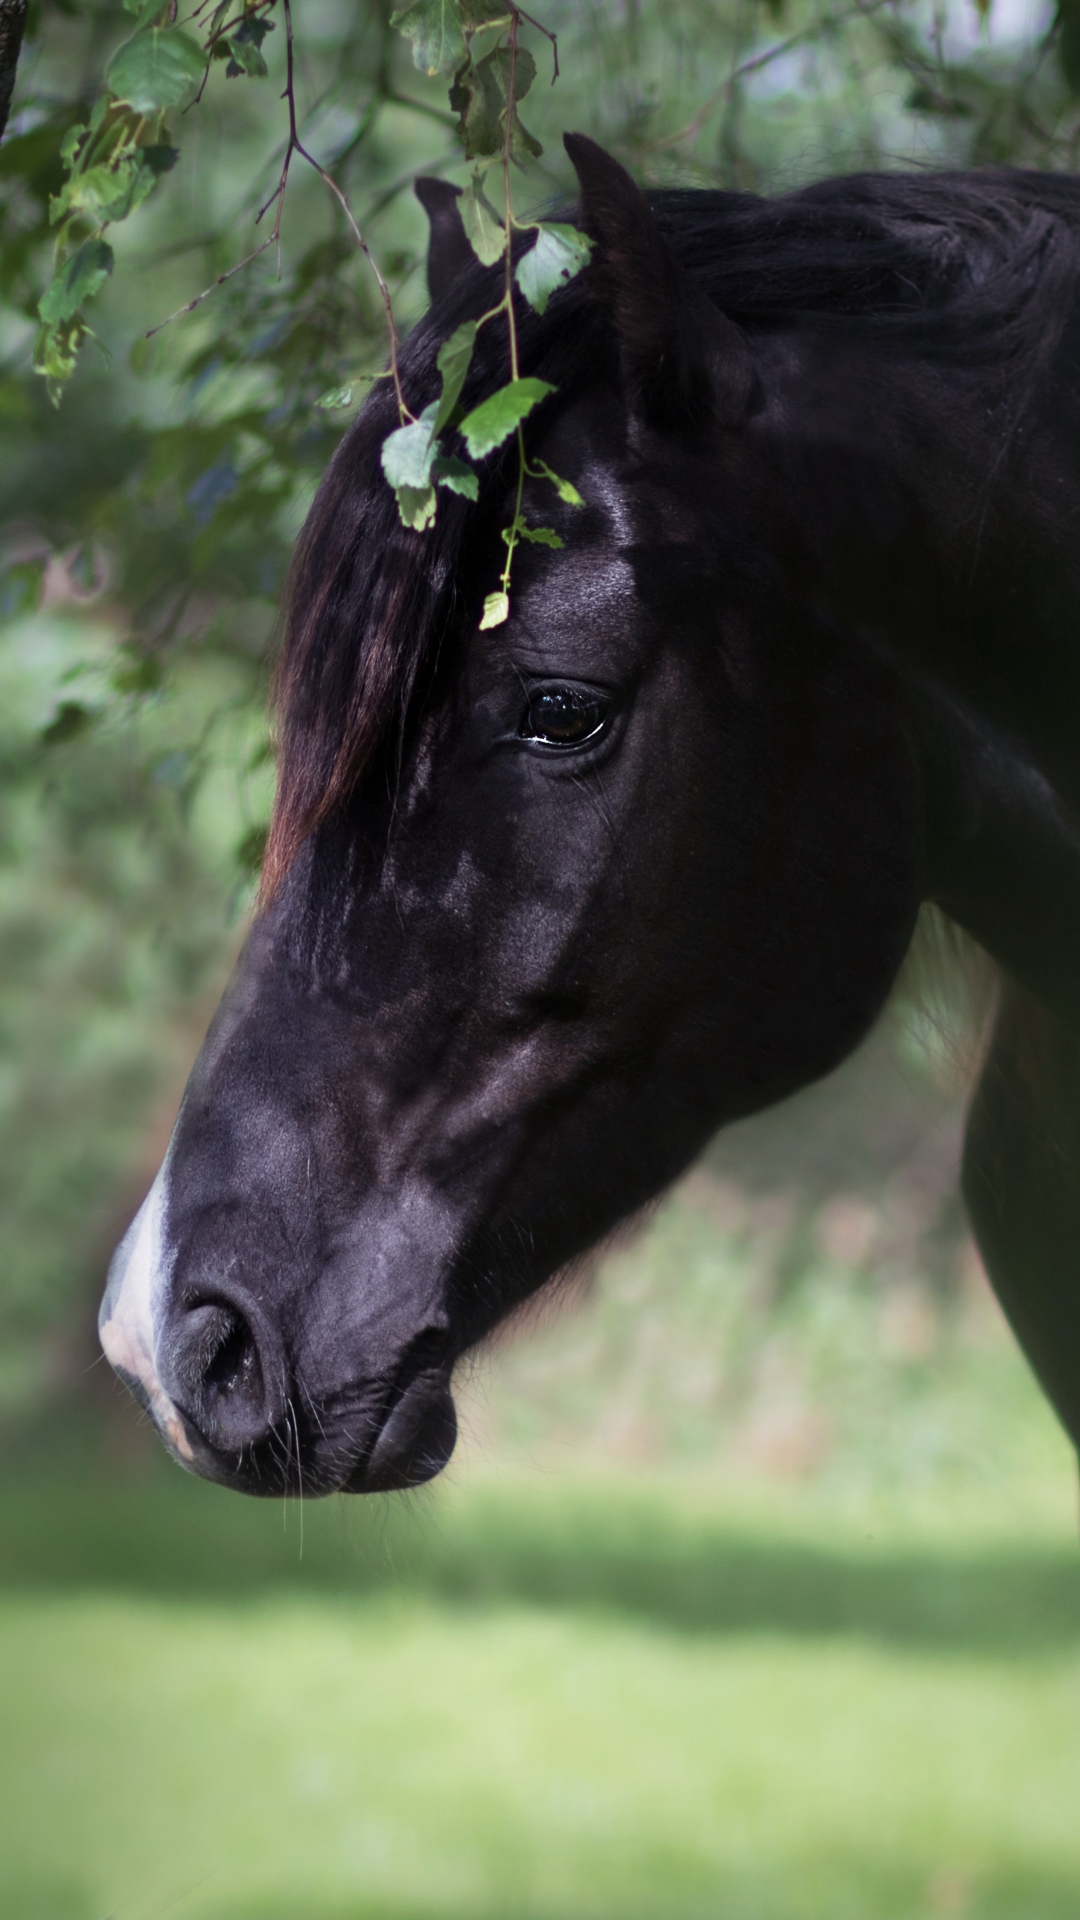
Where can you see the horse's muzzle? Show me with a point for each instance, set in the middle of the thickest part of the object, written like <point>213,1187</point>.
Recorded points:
<point>225,1374</point>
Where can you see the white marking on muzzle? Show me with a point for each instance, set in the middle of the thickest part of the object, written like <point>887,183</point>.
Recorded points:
<point>138,1277</point>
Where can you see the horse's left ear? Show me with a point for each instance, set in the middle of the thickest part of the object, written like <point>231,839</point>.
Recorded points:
<point>449,252</point>
<point>684,359</point>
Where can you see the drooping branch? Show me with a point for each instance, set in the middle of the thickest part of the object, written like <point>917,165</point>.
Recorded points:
<point>12,28</point>
<point>294,145</point>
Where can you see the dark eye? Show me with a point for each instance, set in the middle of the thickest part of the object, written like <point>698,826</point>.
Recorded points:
<point>564,716</point>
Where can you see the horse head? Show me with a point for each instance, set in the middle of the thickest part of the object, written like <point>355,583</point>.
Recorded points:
<point>547,904</point>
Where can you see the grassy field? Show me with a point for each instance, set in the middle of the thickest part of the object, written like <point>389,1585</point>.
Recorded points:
<point>537,1695</point>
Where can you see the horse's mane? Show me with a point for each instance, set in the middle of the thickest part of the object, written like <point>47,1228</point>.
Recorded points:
<point>975,269</point>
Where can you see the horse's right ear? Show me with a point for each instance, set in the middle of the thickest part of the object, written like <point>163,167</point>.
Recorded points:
<point>449,252</point>
<point>684,360</point>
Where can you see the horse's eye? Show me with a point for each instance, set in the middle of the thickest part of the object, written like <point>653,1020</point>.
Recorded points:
<point>564,716</point>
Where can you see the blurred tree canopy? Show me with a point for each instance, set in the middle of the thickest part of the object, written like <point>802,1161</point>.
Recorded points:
<point>146,520</point>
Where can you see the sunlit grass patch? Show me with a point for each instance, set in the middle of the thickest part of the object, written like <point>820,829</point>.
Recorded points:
<point>327,1760</point>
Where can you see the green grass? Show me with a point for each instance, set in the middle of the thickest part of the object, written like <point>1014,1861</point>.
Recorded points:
<point>612,1700</point>
<point>649,1551</point>
<point>299,1759</point>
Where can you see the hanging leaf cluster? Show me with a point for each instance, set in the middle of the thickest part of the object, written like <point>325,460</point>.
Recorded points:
<point>113,163</point>
<point>486,90</point>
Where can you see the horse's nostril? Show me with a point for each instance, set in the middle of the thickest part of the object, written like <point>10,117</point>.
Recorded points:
<point>215,1373</point>
<point>234,1360</point>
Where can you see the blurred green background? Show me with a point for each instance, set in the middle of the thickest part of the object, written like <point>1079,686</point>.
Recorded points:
<point>752,1590</point>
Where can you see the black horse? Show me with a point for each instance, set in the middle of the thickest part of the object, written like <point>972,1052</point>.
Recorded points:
<point>549,904</point>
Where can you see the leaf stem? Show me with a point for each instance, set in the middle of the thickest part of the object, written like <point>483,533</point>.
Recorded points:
<point>511,533</point>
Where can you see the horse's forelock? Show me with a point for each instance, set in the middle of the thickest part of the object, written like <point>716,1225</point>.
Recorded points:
<point>366,599</point>
<point>370,601</point>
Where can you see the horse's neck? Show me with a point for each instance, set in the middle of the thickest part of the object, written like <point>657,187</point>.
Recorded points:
<point>1001,850</point>
<point>952,549</point>
<point>946,531</point>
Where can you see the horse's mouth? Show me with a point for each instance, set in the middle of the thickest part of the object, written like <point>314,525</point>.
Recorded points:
<point>413,1443</point>
<point>409,1441</point>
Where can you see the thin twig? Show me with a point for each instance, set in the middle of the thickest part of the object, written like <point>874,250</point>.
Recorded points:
<point>277,200</point>
<point>548,35</point>
<point>296,146</point>
<point>212,288</point>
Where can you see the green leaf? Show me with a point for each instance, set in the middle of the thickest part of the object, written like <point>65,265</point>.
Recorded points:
<point>494,420</point>
<point>246,58</point>
<point>479,97</point>
<point>335,398</point>
<point>161,158</point>
<point>114,189</point>
<point>483,228</point>
<point>56,350</point>
<point>565,489</point>
<point>70,143</point>
<point>244,48</point>
<point>155,69</point>
<point>413,460</point>
<point>88,192</point>
<point>407,454</point>
<point>448,471</point>
<point>540,536</point>
<point>252,31</point>
<point>523,145</point>
<point>145,10</point>
<point>416,505</point>
<point>477,14</point>
<point>524,69</point>
<point>453,363</point>
<point>434,27</point>
<point>496,610</point>
<point>72,719</point>
<point>560,253</point>
<point>76,282</point>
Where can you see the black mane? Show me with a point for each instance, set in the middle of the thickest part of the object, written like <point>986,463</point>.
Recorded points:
<point>977,270</point>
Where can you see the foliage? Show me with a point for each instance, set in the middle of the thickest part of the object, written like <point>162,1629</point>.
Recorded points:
<point>226,419</point>
<point>485,94</point>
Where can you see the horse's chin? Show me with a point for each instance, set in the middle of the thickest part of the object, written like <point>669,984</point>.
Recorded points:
<point>414,1443</point>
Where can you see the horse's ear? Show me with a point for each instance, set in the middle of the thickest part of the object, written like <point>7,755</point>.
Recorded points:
<point>685,360</point>
<point>449,252</point>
